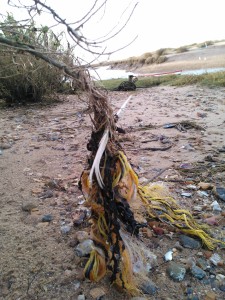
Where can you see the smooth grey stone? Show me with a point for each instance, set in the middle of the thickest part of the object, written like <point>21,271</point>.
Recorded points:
<point>197,272</point>
<point>138,298</point>
<point>222,287</point>
<point>189,242</point>
<point>65,229</point>
<point>220,193</point>
<point>47,218</point>
<point>203,264</point>
<point>176,272</point>
<point>148,287</point>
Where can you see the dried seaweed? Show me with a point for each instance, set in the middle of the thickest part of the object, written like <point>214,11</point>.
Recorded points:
<point>185,125</point>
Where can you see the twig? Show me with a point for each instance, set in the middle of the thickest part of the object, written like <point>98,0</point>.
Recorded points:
<point>157,175</point>
<point>30,281</point>
<point>157,148</point>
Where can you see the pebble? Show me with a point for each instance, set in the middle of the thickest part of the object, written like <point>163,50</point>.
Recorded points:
<point>53,137</point>
<point>222,287</point>
<point>81,297</point>
<point>201,115</point>
<point>219,192</point>
<point>82,235</point>
<point>178,246</point>
<point>47,218</point>
<point>5,146</point>
<point>176,272</point>
<point>148,287</point>
<point>193,297</point>
<point>76,284</point>
<point>210,295</point>
<point>215,259</point>
<point>47,194</point>
<point>213,220</point>
<point>84,248</point>
<point>189,242</point>
<point>28,206</point>
<point>97,293</point>
<point>197,208</point>
<point>220,277</point>
<point>138,298</point>
<point>205,186</point>
<point>203,264</point>
<point>208,254</point>
<point>65,229</point>
<point>188,147</point>
<point>197,272</point>
<point>222,149</point>
<point>60,148</point>
<point>191,187</point>
<point>185,166</point>
<point>189,291</point>
<point>78,217</point>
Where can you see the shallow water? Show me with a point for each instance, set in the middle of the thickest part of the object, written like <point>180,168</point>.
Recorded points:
<point>202,71</point>
<point>105,72</point>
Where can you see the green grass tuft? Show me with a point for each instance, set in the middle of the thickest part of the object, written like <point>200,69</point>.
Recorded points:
<point>211,79</point>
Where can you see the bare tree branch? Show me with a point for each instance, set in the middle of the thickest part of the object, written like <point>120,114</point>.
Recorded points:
<point>97,46</point>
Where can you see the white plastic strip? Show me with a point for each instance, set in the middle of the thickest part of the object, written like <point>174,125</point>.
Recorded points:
<point>96,164</point>
<point>122,108</point>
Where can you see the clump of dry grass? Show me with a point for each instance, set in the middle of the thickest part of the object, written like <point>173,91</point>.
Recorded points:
<point>147,58</point>
<point>182,49</point>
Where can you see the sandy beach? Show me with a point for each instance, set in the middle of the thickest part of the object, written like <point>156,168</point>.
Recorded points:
<point>43,152</point>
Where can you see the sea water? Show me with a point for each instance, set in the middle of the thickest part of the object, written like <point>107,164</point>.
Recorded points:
<point>104,73</point>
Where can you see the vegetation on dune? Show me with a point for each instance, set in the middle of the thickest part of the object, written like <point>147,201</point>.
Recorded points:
<point>182,49</point>
<point>156,57</point>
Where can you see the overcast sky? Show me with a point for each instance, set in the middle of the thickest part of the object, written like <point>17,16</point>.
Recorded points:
<point>158,23</point>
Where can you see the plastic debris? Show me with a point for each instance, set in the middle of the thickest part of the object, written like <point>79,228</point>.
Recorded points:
<point>202,194</point>
<point>188,195</point>
<point>215,259</point>
<point>169,255</point>
<point>215,205</point>
<point>170,125</point>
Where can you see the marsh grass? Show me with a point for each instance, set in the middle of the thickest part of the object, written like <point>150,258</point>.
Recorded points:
<point>211,80</point>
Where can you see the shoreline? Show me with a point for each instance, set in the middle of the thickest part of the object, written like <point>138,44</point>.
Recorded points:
<point>210,57</point>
